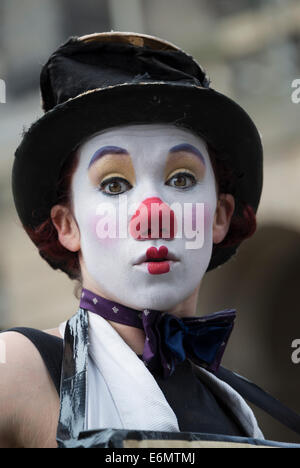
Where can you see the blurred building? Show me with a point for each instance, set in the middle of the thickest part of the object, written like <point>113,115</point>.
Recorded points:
<point>251,51</point>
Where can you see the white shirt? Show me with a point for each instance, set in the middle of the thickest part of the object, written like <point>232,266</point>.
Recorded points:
<point>123,394</point>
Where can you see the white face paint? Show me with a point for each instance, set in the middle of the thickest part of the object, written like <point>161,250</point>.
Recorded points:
<point>150,169</point>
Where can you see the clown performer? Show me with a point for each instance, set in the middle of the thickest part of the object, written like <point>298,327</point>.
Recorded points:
<point>138,180</point>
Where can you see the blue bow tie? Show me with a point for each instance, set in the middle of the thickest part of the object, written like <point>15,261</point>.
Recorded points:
<point>170,340</point>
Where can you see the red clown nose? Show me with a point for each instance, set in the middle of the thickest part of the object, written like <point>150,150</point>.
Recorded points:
<point>153,220</point>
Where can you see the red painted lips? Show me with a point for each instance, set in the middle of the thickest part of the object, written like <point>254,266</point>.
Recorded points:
<point>155,266</point>
<point>154,254</point>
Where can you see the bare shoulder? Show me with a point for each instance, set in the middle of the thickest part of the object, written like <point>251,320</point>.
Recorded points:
<point>29,403</point>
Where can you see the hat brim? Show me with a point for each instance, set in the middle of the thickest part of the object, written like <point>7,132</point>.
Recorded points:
<point>50,140</point>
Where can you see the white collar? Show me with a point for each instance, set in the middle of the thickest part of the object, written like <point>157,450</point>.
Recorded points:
<point>127,386</point>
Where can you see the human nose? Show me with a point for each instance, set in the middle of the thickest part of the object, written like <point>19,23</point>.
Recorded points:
<point>153,219</point>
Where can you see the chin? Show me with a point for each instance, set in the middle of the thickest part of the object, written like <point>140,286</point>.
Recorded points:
<point>161,297</point>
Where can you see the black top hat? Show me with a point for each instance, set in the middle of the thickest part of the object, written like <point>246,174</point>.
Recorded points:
<point>108,79</point>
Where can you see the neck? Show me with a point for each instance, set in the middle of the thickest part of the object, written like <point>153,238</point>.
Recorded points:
<point>186,308</point>
<point>135,337</point>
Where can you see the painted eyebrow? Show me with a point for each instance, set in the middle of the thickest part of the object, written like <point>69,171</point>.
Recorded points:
<point>189,148</point>
<point>106,150</point>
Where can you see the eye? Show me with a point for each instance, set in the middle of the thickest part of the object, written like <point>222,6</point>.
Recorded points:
<point>182,180</point>
<point>114,186</point>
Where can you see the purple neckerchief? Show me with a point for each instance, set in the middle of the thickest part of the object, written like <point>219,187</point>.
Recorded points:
<point>169,340</point>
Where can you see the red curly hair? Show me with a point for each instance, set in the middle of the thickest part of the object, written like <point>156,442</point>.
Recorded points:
<point>45,236</point>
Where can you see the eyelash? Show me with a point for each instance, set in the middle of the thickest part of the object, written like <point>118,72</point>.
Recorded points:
<point>113,179</point>
<point>109,181</point>
<point>185,174</point>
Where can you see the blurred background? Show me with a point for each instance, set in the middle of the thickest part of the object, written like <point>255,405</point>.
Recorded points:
<point>251,51</point>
